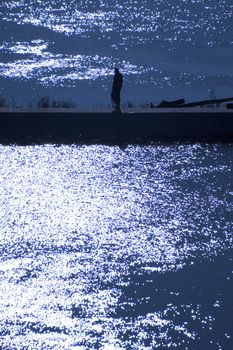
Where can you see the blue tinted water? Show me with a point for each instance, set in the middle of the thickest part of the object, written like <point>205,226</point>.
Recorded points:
<point>116,248</point>
<point>67,50</point>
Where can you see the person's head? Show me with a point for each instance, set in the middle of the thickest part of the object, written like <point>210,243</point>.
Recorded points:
<point>117,70</point>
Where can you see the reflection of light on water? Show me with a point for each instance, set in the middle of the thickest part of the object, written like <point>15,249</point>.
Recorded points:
<point>36,47</point>
<point>181,41</point>
<point>90,235</point>
<point>66,68</point>
<point>181,21</point>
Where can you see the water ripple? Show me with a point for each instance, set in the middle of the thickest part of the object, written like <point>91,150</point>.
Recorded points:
<point>102,247</point>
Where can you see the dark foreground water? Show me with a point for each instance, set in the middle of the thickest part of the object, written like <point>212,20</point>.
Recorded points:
<point>116,248</point>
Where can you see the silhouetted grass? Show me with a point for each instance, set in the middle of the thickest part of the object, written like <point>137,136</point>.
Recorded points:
<point>45,102</point>
<point>3,102</point>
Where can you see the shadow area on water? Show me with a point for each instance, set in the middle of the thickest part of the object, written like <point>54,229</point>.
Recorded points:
<point>198,296</point>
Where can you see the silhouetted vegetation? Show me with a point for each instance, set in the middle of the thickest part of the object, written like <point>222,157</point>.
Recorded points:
<point>130,104</point>
<point>3,102</point>
<point>45,102</point>
<point>8,103</point>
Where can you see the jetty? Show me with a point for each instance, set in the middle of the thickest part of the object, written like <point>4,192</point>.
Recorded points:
<point>103,126</point>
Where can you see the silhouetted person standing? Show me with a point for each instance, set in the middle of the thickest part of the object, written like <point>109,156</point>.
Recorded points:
<point>116,88</point>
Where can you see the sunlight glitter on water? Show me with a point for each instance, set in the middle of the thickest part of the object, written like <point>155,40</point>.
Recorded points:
<point>156,17</point>
<point>77,67</point>
<point>162,48</point>
<point>102,247</point>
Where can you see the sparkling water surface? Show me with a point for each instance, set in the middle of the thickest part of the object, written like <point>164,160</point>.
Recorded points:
<point>68,49</point>
<point>116,248</point>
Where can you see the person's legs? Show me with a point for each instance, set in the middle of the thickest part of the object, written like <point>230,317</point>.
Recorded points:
<point>117,98</point>
<point>115,95</point>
